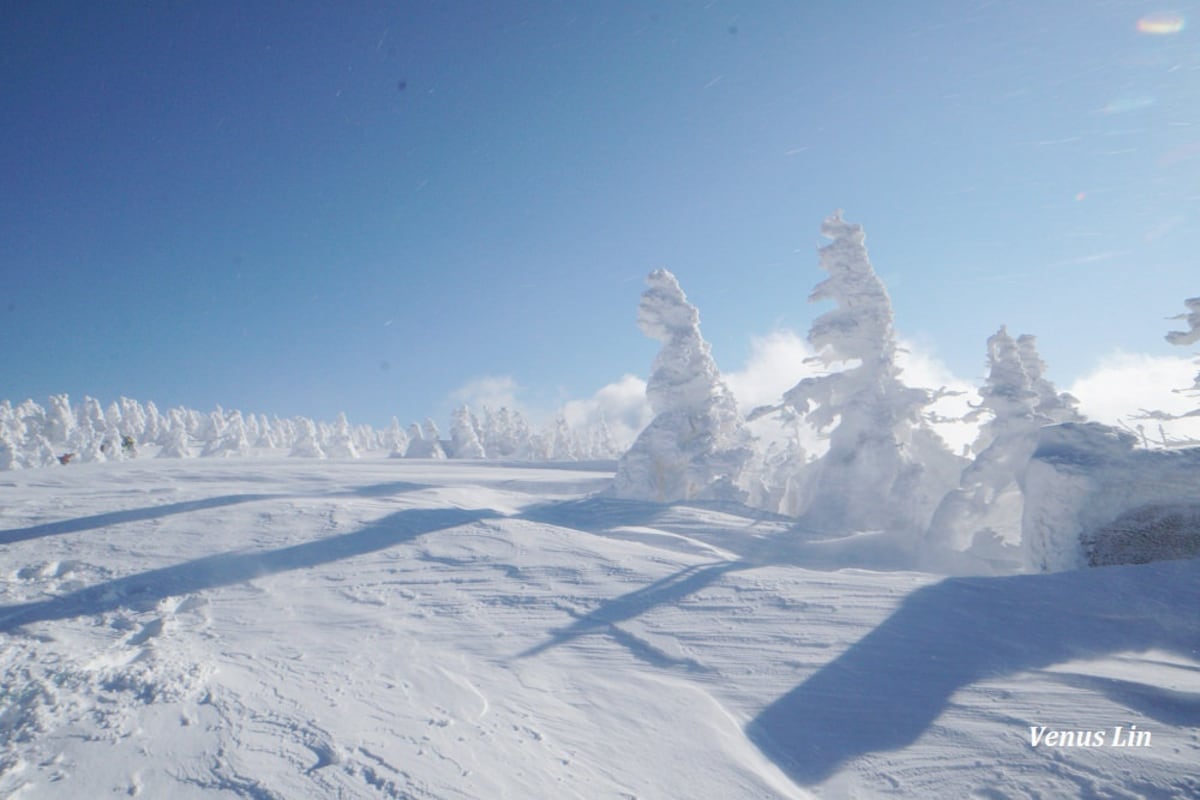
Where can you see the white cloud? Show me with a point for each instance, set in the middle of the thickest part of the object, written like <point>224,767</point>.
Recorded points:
<point>493,391</point>
<point>1125,384</point>
<point>622,404</point>
<point>776,364</point>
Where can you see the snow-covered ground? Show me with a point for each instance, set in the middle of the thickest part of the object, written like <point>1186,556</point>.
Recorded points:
<point>275,628</point>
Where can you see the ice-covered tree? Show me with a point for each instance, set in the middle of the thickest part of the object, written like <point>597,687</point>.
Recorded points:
<point>697,445</point>
<point>155,426</point>
<point>60,421</point>
<point>983,515</point>
<point>1052,404</point>
<point>177,440</point>
<point>1192,334</point>
<point>885,468</point>
<point>133,419</point>
<point>464,434</point>
<point>563,443</point>
<point>423,441</point>
<point>395,440</point>
<point>340,443</point>
<point>306,445</point>
<point>233,439</point>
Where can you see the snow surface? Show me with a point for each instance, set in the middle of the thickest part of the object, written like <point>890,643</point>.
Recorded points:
<point>375,628</point>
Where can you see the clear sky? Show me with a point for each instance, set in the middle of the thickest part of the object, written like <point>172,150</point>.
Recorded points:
<point>301,207</point>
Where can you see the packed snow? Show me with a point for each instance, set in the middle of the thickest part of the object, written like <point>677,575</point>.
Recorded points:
<point>278,628</point>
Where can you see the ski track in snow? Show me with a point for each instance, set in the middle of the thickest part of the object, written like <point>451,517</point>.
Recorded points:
<point>359,629</point>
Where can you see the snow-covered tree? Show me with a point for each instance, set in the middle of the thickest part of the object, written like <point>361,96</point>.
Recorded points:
<point>697,445</point>
<point>1192,334</point>
<point>60,421</point>
<point>133,419</point>
<point>340,443</point>
<point>885,468</point>
<point>1052,404</point>
<point>983,515</point>
<point>395,440</point>
<point>155,427</point>
<point>233,439</point>
<point>306,444</point>
<point>177,440</point>
<point>423,441</point>
<point>464,434</point>
<point>563,443</point>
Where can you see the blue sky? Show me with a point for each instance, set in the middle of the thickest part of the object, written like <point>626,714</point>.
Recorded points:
<point>301,208</point>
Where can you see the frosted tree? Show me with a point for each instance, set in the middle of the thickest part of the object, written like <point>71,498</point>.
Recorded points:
<point>8,450</point>
<point>233,439</point>
<point>423,441</point>
<point>176,443</point>
<point>269,433</point>
<point>563,444</point>
<point>60,421</point>
<point>306,444</point>
<point>91,439</point>
<point>365,438</point>
<point>155,427</point>
<point>395,440</point>
<point>1180,338</point>
<point>340,443</point>
<point>11,433</point>
<point>601,442</point>
<point>506,434</point>
<point>464,434</point>
<point>983,515</point>
<point>697,445</point>
<point>885,469</point>
<point>1191,335</point>
<point>1052,404</point>
<point>133,419</point>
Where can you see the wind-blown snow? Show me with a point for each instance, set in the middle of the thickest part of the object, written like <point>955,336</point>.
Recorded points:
<point>279,628</point>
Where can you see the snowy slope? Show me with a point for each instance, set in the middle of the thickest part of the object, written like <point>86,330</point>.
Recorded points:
<point>399,629</point>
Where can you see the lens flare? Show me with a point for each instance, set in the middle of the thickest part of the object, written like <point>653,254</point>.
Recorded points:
<point>1161,24</point>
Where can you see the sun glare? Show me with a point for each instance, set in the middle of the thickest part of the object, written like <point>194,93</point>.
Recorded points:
<point>1161,24</point>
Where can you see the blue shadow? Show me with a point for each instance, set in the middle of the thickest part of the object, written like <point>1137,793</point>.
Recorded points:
<point>209,572</point>
<point>168,509</point>
<point>889,687</point>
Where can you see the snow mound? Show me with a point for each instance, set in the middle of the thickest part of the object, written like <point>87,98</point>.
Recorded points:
<point>1087,490</point>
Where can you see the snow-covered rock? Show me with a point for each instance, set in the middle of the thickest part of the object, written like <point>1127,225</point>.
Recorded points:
<point>1092,497</point>
<point>697,445</point>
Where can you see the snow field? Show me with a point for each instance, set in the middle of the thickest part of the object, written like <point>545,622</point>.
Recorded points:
<point>277,628</point>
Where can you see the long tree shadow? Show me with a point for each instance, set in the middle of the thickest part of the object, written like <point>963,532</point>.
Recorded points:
<point>885,691</point>
<point>106,519</point>
<point>128,515</point>
<point>670,589</point>
<point>224,569</point>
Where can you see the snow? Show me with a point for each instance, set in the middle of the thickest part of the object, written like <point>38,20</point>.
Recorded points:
<point>374,628</point>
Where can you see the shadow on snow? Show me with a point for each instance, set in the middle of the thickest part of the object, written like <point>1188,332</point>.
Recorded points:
<point>168,509</point>
<point>664,591</point>
<point>224,569</point>
<point>885,690</point>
